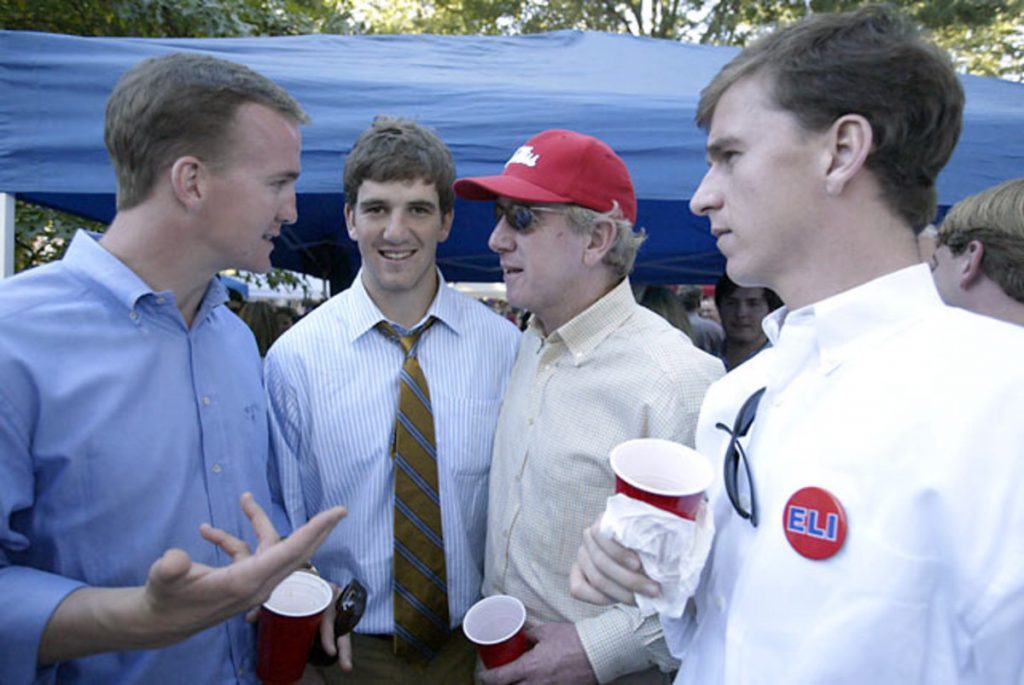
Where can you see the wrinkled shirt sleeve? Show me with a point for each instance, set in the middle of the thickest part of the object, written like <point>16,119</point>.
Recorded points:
<point>620,641</point>
<point>28,597</point>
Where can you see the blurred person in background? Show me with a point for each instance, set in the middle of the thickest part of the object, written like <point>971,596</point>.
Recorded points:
<point>978,259</point>
<point>742,311</point>
<point>664,302</point>
<point>266,321</point>
<point>705,333</point>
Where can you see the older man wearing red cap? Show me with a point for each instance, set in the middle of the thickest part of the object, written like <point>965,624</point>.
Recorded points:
<point>593,369</point>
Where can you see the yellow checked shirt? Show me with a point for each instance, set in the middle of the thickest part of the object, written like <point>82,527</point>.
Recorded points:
<point>615,372</point>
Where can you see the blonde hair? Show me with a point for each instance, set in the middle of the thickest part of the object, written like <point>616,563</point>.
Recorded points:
<point>995,218</point>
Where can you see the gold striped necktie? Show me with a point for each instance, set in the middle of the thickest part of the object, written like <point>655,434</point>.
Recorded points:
<point>420,581</point>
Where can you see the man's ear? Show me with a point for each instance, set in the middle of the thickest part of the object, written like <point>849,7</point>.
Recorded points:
<point>601,239</point>
<point>850,141</point>
<point>970,264</point>
<point>350,222</point>
<point>446,225</point>
<point>188,180</point>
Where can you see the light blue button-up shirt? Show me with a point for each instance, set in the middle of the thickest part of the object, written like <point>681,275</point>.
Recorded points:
<point>333,383</point>
<point>121,431</point>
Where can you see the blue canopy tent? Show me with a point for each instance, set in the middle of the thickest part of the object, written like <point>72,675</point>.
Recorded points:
<point>484,95</point>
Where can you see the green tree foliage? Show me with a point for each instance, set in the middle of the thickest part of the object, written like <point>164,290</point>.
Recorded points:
<point>459,17</point>
<point>176,18</point>
<point>655,18</point>
<point>660,19</point>
<point>42,234</point>
<point>986,37</point>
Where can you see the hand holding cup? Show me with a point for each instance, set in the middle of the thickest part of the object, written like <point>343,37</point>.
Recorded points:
<point>496,626</point>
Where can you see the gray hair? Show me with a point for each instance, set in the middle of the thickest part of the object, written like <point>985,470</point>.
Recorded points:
<point>623,251</point>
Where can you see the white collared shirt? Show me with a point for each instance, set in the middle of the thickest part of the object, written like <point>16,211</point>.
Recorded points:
<point>911,413</point>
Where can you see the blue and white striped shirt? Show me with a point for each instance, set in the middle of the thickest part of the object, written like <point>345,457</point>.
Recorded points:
<point>333,385</point>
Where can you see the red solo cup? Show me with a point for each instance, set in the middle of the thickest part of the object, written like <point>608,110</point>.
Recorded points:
<point>495,626</point>
<point>289,622</point>
<point>663,473</point>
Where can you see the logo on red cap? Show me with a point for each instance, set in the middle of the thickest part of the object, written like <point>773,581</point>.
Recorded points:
<point>524,155</point>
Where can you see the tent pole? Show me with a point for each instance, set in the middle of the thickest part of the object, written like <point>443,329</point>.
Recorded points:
<point>6,235</point>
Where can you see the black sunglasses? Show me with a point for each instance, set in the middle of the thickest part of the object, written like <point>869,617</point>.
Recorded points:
<point>734,455</point>
<point>521,217</point>
<point>349,608</point>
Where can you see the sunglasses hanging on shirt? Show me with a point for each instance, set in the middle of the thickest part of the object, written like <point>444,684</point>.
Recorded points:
<point>736,455</point>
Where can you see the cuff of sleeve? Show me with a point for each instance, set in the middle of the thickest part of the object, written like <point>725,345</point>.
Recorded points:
<point>28,598</point>
<point>619,641</point>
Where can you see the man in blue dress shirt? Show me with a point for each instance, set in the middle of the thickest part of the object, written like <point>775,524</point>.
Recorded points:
<point>132,418</point>
<point>333,384</point>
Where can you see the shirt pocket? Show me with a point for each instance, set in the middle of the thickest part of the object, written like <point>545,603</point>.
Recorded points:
<point>465,444</point>
<point>465,435</point>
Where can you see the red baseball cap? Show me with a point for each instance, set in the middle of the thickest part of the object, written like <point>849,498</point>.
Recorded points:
<point>559,166</point>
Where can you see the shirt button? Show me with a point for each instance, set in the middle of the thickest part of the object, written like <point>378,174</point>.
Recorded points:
<point>720,602</point>
<point>529,421</point>
<point>133,315</point>
<point>159,300</point>
<point>206,401</point>
<point>216,468</point>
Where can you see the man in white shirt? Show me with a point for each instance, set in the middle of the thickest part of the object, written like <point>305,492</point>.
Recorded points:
<point>594,369</point>
<point>978,260</point>
<point>866,522</point>
<point>335,382</point>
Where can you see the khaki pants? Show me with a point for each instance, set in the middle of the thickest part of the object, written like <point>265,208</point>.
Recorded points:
<point>374,663</point>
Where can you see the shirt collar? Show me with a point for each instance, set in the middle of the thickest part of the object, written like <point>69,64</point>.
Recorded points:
<point>86,257</point>
<point>589,328</point>
<point>216,295</point>
<point>858,316</point>
<point>366,314</point>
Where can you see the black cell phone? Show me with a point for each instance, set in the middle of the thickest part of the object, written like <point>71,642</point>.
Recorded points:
<point>349,608</point>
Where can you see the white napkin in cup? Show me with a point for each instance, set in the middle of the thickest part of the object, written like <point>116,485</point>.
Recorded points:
<point>672,549</point>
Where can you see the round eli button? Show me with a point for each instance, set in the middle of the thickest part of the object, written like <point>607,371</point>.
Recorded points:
<point>815,523</point>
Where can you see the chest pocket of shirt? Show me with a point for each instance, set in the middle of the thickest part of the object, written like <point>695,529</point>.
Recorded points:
<point>465,434</point>
<point>465,441</point>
